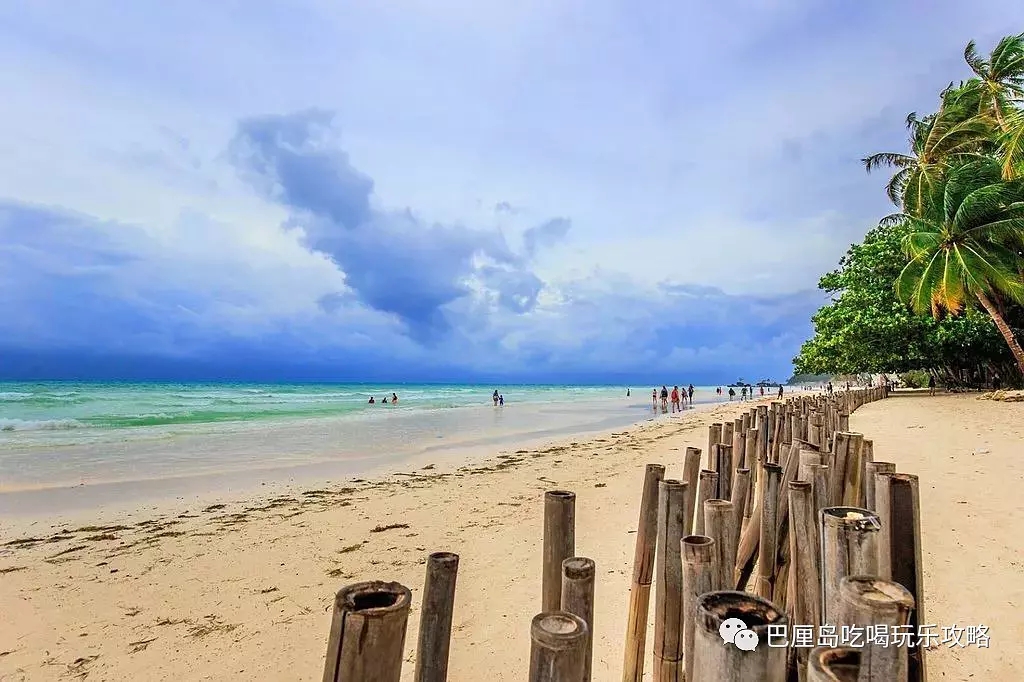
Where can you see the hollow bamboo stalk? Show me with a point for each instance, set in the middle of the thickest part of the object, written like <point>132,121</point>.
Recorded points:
<point>436,617</point>
<point>827,664</point>
<point>739,444</point>
<point>753,463</point>
<point>871,478</point>
<point>853,476</point>
<point>867,456</point>
<point>720,521</point>
<point>740,484</point>
<point>691,472</point>
<point>578,599</point>
<point>769,530</point>
<point>699,554</point>
<point>559,544</point>
<point>869,600</point>
<point>897,498</point>
<point>727,432</point>
<point>707,490</point>
<point>367,634</point>
<point>837,473</point>
<point>849,546</point>
<point>558,647</point>
<point>763,431</point>
<point>807,457</point>
<point>643,570</point>
<point>747,553</point>
<point>668,606</point>
<point>717,662</point>
<point>745,418</point>
<point>726,465</point>
<point>844,421</point>
<point>819,480</point>
<point>804,592</point>
<point>714,437</point>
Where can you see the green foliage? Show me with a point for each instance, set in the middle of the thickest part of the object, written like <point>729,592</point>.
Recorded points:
<point>940,284</point>
<point>914,379</point>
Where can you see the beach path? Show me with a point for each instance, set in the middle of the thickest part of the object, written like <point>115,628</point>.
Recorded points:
<point>968,456</point>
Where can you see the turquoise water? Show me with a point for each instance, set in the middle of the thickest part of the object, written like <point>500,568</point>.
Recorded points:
<point>65,406</point>
<point>69,435</point>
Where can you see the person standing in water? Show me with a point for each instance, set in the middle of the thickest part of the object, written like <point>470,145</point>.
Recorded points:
<point>689,391</point>
<point>501,401</point>
<point>664,398</point>
<point>627,392</point>
<point>675,400</point>
<point>732,394</point>
<point>495,397</point>
<point>394,398</point>
<point>654,399</point>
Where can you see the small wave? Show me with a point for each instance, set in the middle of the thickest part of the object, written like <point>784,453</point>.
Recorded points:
<point>13,396</point>
<point>39,424</point>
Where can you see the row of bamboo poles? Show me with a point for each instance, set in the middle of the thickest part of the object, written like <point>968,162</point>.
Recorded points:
<point>786,521</point>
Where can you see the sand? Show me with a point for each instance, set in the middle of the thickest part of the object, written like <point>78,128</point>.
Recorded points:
<point>244,590</point>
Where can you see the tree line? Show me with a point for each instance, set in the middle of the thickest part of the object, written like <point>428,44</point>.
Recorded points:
<point>939,284</point>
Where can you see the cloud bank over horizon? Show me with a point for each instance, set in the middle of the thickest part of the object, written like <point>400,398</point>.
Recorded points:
<point>384,194</point>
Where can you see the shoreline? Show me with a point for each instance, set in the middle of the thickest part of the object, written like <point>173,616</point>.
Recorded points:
<point>104,502</point>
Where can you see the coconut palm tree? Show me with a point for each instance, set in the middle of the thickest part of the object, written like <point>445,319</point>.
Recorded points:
<point>936,141</point>
<point>999,80</point>
<point>967,247</point>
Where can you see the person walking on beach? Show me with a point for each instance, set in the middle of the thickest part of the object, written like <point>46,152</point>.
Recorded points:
<point>654,399</point>
<point>664,398</point>
<point>732,393</point>
<point>675,400</point>
<point>495,397</point>
<point>997,383</point>
<point>690,394</point>
<point>780,391</point>
<point>627,392</point>
<point>743,393</point>
<point>762,391</point>
<point>931,384</point>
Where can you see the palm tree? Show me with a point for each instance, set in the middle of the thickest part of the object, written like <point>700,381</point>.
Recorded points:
<point>967,247</point>
<point>999,80</point>
<point>945,137</point>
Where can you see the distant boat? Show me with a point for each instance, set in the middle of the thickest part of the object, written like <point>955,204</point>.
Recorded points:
<point>739,383</point>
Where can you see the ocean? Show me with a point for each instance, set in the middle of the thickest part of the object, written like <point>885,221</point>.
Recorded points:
<point>62,435</point>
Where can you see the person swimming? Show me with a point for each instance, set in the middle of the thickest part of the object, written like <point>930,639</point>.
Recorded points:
<point>385,401</point>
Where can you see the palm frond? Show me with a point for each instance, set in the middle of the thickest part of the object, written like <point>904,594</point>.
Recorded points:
<point>891,159</point>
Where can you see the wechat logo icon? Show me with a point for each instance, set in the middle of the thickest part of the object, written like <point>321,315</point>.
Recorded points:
<point>734,631</point>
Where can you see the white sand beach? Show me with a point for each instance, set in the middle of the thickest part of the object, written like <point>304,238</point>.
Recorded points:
<point>243,588</point>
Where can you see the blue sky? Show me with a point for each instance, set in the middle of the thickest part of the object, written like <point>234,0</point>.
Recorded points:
<point>444,189</point>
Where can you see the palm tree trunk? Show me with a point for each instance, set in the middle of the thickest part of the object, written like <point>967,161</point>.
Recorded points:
<point>1004,329</point>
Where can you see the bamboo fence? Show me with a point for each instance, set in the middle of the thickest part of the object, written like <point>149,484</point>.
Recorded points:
<point>784,522</point>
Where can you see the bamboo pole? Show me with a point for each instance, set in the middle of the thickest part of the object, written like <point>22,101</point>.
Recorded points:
<point>840,664</point>
<point>739,445</point>
<point>558,647</point>
<point>668,607</point>
<point>804,592</point>
<point>698,553</point>
<point>714,437</point>
<point>819,481</point>
<point>740,484</point>
<point>844,421</point>
<point>578,599</point>
<point>436,617</point>
<point>867,456</point>
<point>707,490</point>
<point>849,546</point>
<point>769,531</point>
<point>716,661</point>
<point>852,491</point>
<point>747,553</point>
<point>868,600</point>
<point>897,498</point>
<point>807,457</point>
<point>691,471</point>
<point>559,544</point>
<point>725,469</point>
<point>727,432</point>
<point>720,522</point>
<point>762,433</point>
<point>871,478</point>
<point>367,636</point>
<point>643,570</point>
<point>754,465</point>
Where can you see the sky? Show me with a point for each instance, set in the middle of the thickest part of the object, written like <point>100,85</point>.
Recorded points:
<point>445,190</point>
